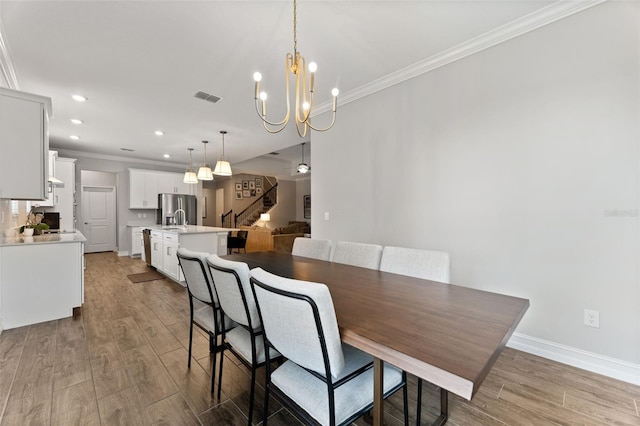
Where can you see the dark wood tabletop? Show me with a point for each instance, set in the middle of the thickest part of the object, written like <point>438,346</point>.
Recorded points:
<point>446,334</point>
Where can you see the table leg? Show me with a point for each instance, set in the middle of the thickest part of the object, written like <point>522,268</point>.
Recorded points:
<point>378,391</point>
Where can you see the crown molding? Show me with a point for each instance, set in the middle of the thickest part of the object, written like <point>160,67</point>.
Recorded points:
<point>523,25</point>
<point>6,64</point>
<point>135,161</point>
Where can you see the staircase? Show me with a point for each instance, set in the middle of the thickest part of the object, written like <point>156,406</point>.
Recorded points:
<point>250,215</point>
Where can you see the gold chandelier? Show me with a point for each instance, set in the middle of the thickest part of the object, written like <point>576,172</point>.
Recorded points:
<point>304,100</point>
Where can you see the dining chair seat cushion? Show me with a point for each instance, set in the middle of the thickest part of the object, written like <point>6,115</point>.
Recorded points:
<point>310,393</point>
<point>204,316</point>
<point>240,339</point>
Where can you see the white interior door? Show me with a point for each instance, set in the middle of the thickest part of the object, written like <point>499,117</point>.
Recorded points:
<point>219,206</point>
<point>99,218</point>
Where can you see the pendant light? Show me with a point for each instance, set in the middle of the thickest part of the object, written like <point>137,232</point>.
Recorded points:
<point>223,168</point>
<point>303,167</point>
<point>189,176</point>
<point>204,172</point>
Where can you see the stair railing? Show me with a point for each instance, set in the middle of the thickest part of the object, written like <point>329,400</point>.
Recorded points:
<point>251,214</point>
<point>226,219</point>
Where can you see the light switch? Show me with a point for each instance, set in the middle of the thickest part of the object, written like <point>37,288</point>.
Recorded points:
<point>326,215</point>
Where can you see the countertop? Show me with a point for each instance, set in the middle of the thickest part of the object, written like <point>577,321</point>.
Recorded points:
<point>71,237</point>
<point>190,229</point>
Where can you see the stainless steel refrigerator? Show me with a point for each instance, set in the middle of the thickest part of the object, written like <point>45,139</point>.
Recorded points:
<point>169,206</point>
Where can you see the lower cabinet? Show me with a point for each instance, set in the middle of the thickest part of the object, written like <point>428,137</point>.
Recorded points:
<point>137,244</point>
<point>50,291</point>
<point>170,266</point>
<point>164,246</point>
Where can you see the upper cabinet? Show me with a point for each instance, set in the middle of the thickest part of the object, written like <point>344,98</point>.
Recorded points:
<point>145,185</point>
<point>24,143</point>
<point>143,189</point>
<point>172,183</point>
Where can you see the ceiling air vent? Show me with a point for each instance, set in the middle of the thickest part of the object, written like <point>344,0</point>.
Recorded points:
<point>274,153</point>
<point>208,97</point>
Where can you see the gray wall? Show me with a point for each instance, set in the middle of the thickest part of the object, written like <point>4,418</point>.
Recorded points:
<point>521,161</point>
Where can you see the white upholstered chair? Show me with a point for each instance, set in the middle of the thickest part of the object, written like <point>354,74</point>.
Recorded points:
<point>427,264</point>
<point>208,317</point>
<point>357,254</point>
<point>308,247</point>
<point>245,341</point>
<point>323,381</point>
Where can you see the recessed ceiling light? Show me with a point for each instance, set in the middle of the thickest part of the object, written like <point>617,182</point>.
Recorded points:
<point>74,137</point>
<point>166,156</point>
<point>159,132</point>
<point>76,121</point>
<point>78,98</point>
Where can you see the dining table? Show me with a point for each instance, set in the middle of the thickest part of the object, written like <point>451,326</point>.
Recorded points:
<point>449,335</point>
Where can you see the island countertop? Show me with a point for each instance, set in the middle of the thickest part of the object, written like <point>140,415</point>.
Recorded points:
<point>20,240</point>
<point>189,229</point>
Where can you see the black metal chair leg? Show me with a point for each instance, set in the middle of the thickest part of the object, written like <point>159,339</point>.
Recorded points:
<point>405,397</point>
<point>220,372</point>
<point>213,363</point>
<point>190,342</point>
<point>252,393</point>
<point>419,412</point>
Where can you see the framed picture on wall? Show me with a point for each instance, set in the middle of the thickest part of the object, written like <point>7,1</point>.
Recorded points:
<point>306,206</point>
<point>238,186</point>
<point>253,192</point>
<point>239,194</point>
<point>258,191</point>
<point>246,193</point>
<point>245,184</point>
<point>258,183</point>
<point>252,184</point>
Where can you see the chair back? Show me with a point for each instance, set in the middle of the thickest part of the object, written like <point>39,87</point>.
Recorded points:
<point>242,234</point>
<point>196,274</point>
<point>315,249</point>
<point>427,264</point>
<point>357,254</point>
<point>233,290</point>
<point>299,321</point>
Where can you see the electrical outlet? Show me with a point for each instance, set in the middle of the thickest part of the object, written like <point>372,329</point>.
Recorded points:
<point>592,318</point>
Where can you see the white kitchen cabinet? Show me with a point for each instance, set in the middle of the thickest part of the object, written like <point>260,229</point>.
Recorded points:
<point>143,189</point>
<point>24,144</point>
<point>156,250</point>
<point>172,183</point>
<point>65,196</point>
<point>170,266</point>
<point>137,244</point>
<point>50,291</point>
<point>51,189</point>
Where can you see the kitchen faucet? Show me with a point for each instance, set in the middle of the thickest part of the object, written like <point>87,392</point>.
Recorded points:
<point>184,216</point>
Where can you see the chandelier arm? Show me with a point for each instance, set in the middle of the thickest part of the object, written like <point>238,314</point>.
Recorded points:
<point>302,133</point>
<point>285,120</point>
<point>333,120</point>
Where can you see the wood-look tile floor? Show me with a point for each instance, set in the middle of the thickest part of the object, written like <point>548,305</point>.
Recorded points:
<point>123,361</point>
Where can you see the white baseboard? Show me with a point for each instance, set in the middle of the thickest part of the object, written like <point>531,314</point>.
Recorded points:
<point>607,366</point>
<point>123,253</point>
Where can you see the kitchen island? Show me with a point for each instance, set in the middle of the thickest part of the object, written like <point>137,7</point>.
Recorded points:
<point>41,278</point>
<point>165,241</point>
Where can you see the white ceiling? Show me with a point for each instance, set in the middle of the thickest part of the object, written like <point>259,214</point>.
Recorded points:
<point>140,64</point>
